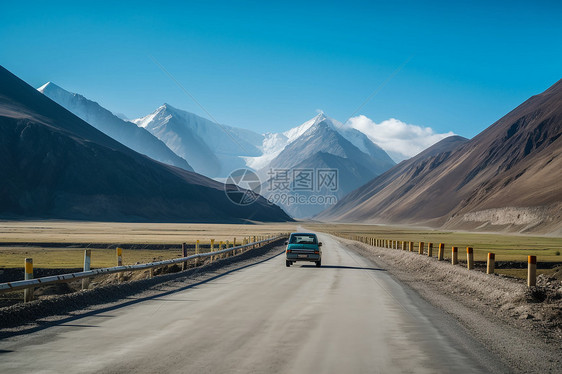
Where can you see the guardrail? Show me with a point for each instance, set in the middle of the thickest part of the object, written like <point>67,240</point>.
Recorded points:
<point>395,244</point>
<point>30,284</point>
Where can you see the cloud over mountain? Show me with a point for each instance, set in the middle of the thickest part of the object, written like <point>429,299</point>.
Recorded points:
<point>400,140</point>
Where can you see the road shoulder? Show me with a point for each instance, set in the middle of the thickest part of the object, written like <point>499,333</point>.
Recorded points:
<point>494,310</point>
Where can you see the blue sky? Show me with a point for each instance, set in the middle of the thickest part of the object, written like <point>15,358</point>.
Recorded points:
<point>269,67</point>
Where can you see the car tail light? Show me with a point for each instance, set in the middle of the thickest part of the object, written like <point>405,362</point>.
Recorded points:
<point>316,252</point>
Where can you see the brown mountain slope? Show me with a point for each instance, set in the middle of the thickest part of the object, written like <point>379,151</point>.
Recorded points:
<point>54,165</point>
<point>507,177</point>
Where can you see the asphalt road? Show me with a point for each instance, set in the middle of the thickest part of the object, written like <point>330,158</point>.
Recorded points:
<point>349,316</point>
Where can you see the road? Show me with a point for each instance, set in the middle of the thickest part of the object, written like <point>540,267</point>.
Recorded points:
<point>349,316</point>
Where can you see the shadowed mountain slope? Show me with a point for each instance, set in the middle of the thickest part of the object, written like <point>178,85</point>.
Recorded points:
<point>506,178</point>
<point>55,165</point>
<point>127,133</point>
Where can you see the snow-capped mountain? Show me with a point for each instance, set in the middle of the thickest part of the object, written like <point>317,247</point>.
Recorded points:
<point>319,145</point>
<point>54,165</point>
<point>126,133</point>
<point>212,149</point>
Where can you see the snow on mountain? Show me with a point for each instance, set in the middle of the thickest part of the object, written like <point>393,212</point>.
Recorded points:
<point>124,132</point>
<point>272,145</point>
<point>214,150</point>
<point>320,144</point>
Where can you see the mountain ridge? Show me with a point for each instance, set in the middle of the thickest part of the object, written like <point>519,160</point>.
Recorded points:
<point>124,132</point>
<point>494,170</point>
<point>55,165</point>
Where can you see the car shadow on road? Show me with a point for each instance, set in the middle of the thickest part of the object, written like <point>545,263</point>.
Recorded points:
<point>342,267</point>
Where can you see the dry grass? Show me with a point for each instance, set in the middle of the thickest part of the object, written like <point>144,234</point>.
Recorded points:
<point>113,234</point>
<point>522,273</point>
<point>508,247</point>
<point>56,258</point>
<point>141,233</point>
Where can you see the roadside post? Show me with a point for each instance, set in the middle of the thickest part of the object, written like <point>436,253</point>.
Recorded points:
<point>411,246</point>
<point>87,262</point>
<point>454,255</point>
<point>441,252</point>
<point>119,251</point>
<point>420,249</point>
<point>532,271</point>
<point>28,292</point>
<point>184,254</point>
<point>197,252</point>
<point>469,258</point>
<point>429,249</point>
<point>403,245</point>
<point>490,266</point>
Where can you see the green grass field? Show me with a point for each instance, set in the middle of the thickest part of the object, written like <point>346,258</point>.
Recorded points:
<point>507,247</point>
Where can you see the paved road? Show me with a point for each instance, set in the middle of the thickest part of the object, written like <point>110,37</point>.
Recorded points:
<point>347,317</point>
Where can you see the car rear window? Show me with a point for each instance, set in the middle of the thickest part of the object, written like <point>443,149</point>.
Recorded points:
<point>303,239</point>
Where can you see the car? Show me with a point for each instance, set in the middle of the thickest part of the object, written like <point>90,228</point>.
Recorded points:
<point>303,246</point>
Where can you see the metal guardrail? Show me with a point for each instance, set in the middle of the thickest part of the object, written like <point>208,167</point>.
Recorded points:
<point>36,282</point>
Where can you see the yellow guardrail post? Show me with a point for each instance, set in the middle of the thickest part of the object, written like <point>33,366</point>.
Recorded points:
<point>411,246</point>
<point>532,271</point>
<point>490,266</point>
<point>119,252</point>
<point>454,255</point>
<point>28,292</point>
<point>469,258</point>
<point>441,252</point>
<point>420,248</point>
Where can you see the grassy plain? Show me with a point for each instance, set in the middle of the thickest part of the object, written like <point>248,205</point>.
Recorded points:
<point>507,247</point>
<point>26,238</point>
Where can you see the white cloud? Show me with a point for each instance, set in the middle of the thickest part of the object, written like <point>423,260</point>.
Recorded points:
<point>400,140</point>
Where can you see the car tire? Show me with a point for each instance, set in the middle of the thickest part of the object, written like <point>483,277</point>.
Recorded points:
<point>287,263</point>
<point>318,263</point>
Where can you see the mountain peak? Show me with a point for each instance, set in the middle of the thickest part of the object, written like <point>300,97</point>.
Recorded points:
<point>320,116</point>
<point>50,86</point>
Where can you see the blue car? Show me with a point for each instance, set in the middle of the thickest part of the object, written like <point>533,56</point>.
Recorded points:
<point>303,246</point>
